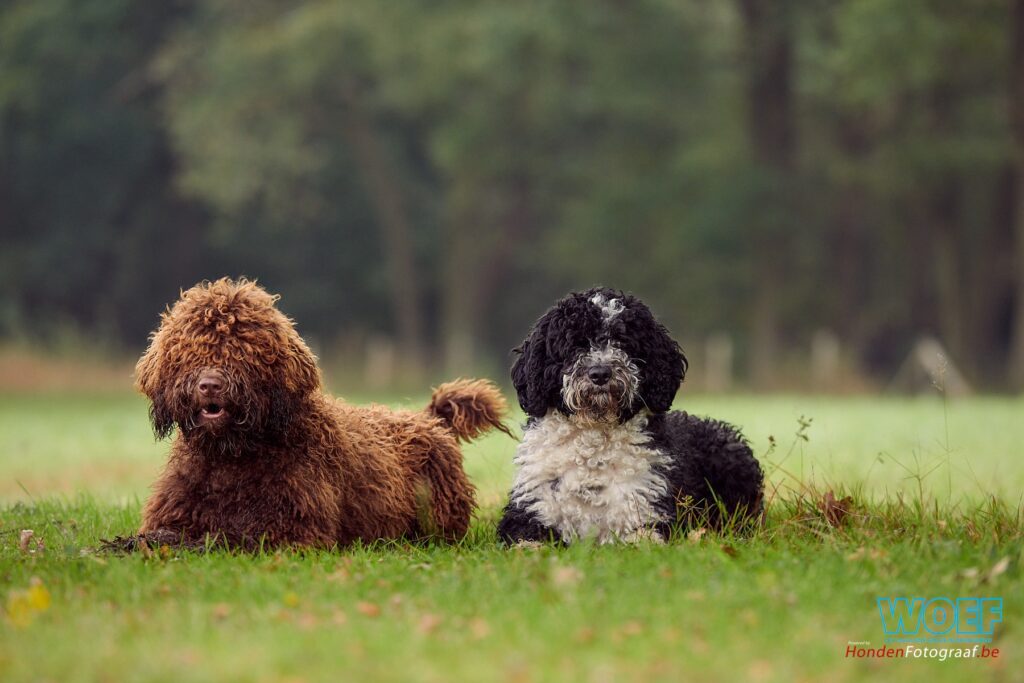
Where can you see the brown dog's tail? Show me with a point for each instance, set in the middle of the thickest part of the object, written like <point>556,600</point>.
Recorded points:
<point>469,407</point>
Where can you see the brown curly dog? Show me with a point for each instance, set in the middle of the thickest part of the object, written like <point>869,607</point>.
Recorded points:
<point>263,456</point>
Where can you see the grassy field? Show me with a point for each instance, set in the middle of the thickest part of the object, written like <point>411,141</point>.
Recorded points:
<point>935,511</point>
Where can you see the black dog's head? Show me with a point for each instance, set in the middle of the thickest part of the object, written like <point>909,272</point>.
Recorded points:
<point>599,354</point>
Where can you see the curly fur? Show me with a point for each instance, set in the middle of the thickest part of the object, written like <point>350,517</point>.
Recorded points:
<point>601,455</point>
<point>283,463</point>
<point>469,407</point>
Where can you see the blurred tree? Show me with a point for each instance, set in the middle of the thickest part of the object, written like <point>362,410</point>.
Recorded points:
<point>439,172</point>
<point>768,28</point>
<point>90,224</point>
<point>1017,212</point>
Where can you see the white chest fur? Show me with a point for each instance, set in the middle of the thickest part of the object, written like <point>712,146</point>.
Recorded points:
<point>587,481</point>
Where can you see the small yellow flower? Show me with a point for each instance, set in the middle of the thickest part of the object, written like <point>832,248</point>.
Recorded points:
<point>23,605</point>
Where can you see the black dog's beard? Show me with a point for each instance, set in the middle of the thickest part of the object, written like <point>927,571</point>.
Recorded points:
<point>601,403</point>
<point>594,403</point>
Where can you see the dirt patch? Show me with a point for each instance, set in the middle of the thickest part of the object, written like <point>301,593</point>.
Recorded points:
<point>100,477</point>
<point>24,371</point>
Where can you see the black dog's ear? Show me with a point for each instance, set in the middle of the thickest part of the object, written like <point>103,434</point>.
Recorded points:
<point>664,365</point>
<point>525,376</point>
<point>558,336</point>
<point>536,375</point>
<point>664,372</point>
<point>161,415</point>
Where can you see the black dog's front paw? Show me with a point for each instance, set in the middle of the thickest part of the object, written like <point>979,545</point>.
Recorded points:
<point>519,527</point>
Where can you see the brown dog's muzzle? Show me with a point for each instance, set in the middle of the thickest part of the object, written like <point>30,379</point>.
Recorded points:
<point>210,396</point>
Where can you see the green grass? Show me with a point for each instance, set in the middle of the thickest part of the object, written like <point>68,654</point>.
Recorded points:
<point>932,515</point>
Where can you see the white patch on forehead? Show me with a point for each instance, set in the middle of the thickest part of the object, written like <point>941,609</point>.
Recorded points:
<point>588,482</point>
<point>609,307</point>
<point>609,353</point>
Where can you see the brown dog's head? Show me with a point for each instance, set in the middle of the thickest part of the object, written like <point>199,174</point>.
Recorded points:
<point>226,366</point>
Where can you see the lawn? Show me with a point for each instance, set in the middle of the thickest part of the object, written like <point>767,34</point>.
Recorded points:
<point>935,511</point>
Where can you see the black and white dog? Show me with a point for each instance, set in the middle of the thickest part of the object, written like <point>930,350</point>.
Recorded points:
<point>601,457</point>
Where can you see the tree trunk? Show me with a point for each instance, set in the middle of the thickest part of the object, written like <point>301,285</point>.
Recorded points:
<point>850,241</point>
<point>478,260</point>
<point>767,34</point>
<point>947,269</point>
<point>388,201</point>
<point>1016,355</point>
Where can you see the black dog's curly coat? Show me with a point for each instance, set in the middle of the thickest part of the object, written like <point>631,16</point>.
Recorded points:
<point>601,456</point>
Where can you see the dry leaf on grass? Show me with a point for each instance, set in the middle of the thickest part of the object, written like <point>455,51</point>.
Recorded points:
<point>564,577</point>
<point>632,628</point>
<point>835,511</point>
<point>989,576</point>
<point>23,605</point>
<point>144,548</point>
<point>428,623</point>
<point>479,628</point>
<point>368,609</point>
<point>28,543</point>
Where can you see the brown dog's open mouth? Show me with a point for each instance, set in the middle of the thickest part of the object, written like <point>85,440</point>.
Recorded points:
<point>212,412</point>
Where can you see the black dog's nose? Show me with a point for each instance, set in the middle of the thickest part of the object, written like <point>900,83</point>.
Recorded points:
<point>600,374</point>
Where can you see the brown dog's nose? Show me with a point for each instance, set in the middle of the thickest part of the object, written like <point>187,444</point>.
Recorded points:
<point>210,385</point>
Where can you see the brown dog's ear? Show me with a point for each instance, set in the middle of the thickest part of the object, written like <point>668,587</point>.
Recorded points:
<point>147,374</point>
<point>161,416</point>
<point>147,381</point>
<point>302,376</point>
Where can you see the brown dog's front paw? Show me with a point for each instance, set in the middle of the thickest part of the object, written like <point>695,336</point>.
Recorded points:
<point>147,541</point>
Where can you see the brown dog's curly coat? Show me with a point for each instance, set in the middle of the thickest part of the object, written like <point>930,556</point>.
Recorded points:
<point>263,455</point>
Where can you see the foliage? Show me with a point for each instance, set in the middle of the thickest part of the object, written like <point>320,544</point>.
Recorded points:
<point>398,169</point>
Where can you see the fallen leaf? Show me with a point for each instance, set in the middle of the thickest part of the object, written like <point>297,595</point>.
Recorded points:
<point>632,628</point>
<point>25,539</point>
<point>428,623</point>
<point>368,609</point>
<point>38,596</point>
<point>729,550</point>
<point>340,575</point>
<point>479,628</point>
<point>835,511</point>
<point>759,670</point>
<point>997,569</point>
<point>566,576</point>
<point>584,635</point>
<point>23,605</point>
<point>695,535</point>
